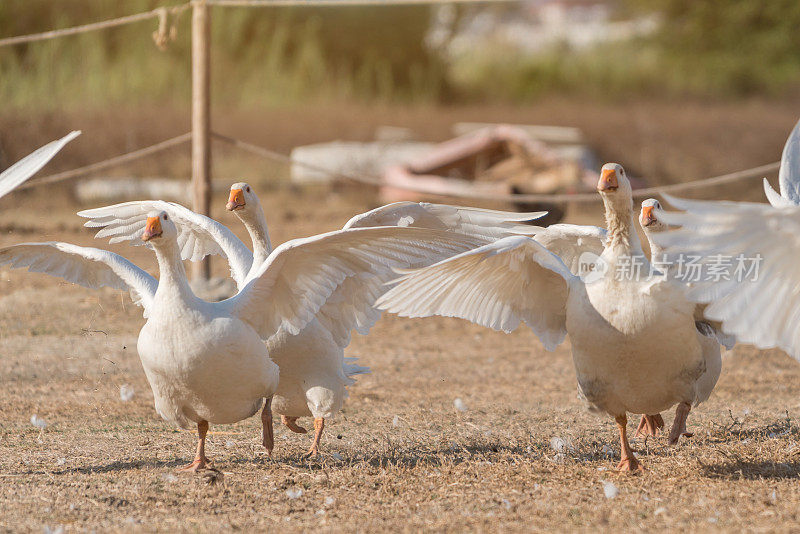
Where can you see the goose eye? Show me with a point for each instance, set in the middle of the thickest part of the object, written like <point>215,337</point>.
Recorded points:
<point>165,216</point>
<point>247,189</point>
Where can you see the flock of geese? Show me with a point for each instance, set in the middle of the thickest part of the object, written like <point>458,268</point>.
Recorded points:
<point>640,344</point>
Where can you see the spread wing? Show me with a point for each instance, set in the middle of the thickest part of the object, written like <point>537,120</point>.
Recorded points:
<point>489,224</point>
<point>484,225</point>
<point>569,241</point>
<point>15,175</point>
<point>300,275</point>
<point>759,299</point>
<point>89,267</point>
<point>789,173</point>
<point>198,235</point>
<point>774,197</point>
<point>498,285</point>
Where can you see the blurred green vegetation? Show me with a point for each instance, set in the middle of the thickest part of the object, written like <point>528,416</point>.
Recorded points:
<point>702,49</point>
<point>733,47</point>
<point>260,56</point>
<point>290,56</point>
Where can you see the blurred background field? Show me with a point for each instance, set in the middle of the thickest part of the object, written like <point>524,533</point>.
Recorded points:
<point>673,89</point>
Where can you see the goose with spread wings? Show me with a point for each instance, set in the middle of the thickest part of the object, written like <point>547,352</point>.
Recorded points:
<point>314,372</point>
<point>206,362</point>
<point>633,335</point>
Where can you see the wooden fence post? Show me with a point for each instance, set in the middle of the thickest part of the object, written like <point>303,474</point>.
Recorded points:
<point>201,121</point>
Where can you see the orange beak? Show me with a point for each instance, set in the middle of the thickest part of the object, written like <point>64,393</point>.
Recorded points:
<point>647,218</point>
<point>608,181</point>
<point>236,200</point>
<point>152,229</point>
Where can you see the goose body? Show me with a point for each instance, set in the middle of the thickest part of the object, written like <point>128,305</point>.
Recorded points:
<point>634,340</point>
<point>644,328</point>
<point>202,364</point>
<point>314,373</point>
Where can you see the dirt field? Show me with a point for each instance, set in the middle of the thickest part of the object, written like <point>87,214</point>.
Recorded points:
<point>524,455</point>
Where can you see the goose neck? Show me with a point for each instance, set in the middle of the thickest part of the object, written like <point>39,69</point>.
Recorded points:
<point>256,225</point>
<point>656,251</point>
<point>622,236</point>
<point>172,275</point>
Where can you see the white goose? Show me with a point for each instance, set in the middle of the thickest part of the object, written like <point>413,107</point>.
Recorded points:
<point>19,172</point>
<point>633,339</point>
<point>708,334</point>
<point>758,299</point>
<point>314,372</point>
<point>205,361</point>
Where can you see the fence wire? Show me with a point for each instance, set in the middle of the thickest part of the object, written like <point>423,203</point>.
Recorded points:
<point>378,181</point>
<point>159,13</point>
<point>110,162</point>
<point>162,13</point>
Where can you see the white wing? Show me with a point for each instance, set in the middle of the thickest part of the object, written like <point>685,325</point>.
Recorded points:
<point>774,197</point>
<point>760,303</point>
<point>350,306</point>
<point>89,267</point>
<point>198,235</point>
<point>789,173</point>
<point>498,285</point>
<point>349,298</point>
<point>489,224</point>
<point>300,275</point>
<point>569,241</point>
<point>15,175</point>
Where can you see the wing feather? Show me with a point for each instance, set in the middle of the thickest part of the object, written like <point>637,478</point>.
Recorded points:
<point>774,197</point>
<point>762,308</point>
<point>789,172</point>
<point>489,224</point>
<point>198,235</point>
<point>499,285</point>
<point>569,242</point>
<point>349,298</point>
<point>300,276</point>
<point>90,267</point>
<point>19,172</point>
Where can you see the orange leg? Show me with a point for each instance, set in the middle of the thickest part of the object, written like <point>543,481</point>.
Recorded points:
<point>679,424</point>
<point>200,459</point>
<point>319,426</point>
<point>650,425</point>
<point>628,461</point>
<point>266,426</point>
<point>291,424</point>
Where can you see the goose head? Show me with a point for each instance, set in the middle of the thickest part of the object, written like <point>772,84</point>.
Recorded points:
<point>648,217</point>
<point>159,227</point>
<point>242,200</point>
<point>613,184</point>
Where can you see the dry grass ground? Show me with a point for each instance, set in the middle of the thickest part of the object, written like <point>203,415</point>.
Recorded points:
<point>399,456</point>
